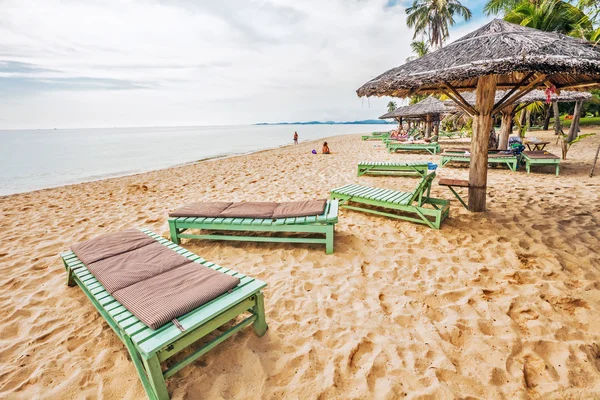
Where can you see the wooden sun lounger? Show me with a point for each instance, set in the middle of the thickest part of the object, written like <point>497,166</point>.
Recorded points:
<point>392,168</point>
<point>147,347</point>
<point>540,158</point>
<point>450,135</point>
<point>510,160</point>
<point>376,136</point>
<point>432,148</point>
<point>416,206</point>
<point>324,223</point>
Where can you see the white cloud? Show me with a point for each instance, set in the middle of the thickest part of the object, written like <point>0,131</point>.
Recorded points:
<point>182,62</point>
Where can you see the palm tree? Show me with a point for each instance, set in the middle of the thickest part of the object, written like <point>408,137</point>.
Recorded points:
<point>550,16</point>
<point>494,7</point>
<point>420,48</point>
<point>391,106</point>
<point>433,17</point>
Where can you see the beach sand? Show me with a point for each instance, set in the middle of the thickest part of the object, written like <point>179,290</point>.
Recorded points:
<point>500,305</point>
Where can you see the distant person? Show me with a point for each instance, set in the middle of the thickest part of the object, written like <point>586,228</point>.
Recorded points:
<point>295,137</point>
<point>325,149</point>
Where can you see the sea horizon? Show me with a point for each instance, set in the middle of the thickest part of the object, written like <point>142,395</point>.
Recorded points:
<point>36,159</point>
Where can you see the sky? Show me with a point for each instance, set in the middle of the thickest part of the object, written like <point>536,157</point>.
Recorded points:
<point>92,63</point>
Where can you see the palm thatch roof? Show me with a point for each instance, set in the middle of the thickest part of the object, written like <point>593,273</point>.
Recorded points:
<point>565,96</point>
<point>430,105</point>
<point>513,52</point>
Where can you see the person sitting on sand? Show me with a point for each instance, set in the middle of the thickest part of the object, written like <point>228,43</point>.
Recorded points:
<point>326,149</point>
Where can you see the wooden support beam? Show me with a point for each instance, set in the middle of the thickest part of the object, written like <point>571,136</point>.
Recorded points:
<point>513,90</point>
<point>512,99</point>
<point>458,103</point>
<point>579,85</point>
<point>459,99</point>
<point>486,93</point>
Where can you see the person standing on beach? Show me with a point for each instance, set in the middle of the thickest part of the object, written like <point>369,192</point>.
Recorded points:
<point>295,137</point>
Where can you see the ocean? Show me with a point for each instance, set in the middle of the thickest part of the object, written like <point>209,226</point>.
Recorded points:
<point>44,158</point>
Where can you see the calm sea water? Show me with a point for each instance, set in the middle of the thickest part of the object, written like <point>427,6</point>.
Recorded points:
<point>37,159</point>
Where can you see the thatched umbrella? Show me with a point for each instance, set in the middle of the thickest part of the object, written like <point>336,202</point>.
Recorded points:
<point>427,109</point>
<point>508,113</point>
<point>498,55</point>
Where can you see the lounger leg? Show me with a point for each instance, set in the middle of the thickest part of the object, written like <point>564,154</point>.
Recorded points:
<point>557,169</point>
<point>173,231</point>
<point>70,280</point>
<point>143,370</point>
<point>329,234</point>
<point>156,378</point>
<point>528,168</point>
<point>458,197</point>
<point>260,325</point>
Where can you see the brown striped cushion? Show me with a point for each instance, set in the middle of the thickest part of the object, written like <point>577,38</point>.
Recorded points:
<point>109,245</point>
<point>134,266</point>
<point>158,300</point>
<point>305,208</point>
<point>206,209</point>
<point>250,209</point>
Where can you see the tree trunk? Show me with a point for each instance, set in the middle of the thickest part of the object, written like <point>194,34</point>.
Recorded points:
<point>506,126</point>
<point>486,92</point>
<point>528,119</point>
<point>428,126</point>
<point>575,122</point>
<point>546,118</point>
<point>557,128</point>
<point>436,129</point>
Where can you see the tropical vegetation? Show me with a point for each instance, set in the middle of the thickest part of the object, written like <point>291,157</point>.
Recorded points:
<point>432,18</point>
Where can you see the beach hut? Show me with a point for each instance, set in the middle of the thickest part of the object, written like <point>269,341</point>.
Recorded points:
<point>499,55</point>
<point>508,113</point>
<point>429,110</point>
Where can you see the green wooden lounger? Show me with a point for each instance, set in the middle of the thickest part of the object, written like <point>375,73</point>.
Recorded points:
<point>376,136</point>
<point>147,347</point>
<point>510,160</point>
<point>323,223</point>
<point>540,158</point>
<point>450,135</point>
<point>432,147</point>
<point>392,168</point>
<point>416,206</point>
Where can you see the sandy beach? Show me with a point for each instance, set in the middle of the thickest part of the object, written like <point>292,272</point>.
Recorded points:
<point>500,305</point>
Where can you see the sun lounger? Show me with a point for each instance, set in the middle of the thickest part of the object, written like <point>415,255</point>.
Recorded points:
<point>153,289</point>
<point>416,206</point>
<point>376,136</point>
<point>510,160</point>
<point>392,168</point>
<point>321,223</point>
<point>450,135</point>
<point>432,147</point>
<point>540,158</point>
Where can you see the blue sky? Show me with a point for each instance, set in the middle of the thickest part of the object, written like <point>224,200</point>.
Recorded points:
<point>87,63</point>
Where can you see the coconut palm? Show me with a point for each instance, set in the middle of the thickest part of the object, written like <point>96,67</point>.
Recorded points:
<point>550,16</point>
<point>420,48</point>
<point>494,7</point>
<point>433,17</point>
<point>391,106</point>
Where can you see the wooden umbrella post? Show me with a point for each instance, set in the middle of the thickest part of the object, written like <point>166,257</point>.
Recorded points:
<point>506,126</point>
<point>486,93</point>
<point>428,126</point>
